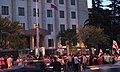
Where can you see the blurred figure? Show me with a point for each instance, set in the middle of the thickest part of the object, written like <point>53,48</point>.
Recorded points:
<point>100,60</point>
<point>56,65</point>
<point>5,61</point>
<point>47,60</point>
<point>76,64</point>
<point>9,62</point>
<point>19,61</point>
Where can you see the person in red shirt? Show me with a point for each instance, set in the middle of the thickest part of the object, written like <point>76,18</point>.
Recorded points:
<point>100,60</point>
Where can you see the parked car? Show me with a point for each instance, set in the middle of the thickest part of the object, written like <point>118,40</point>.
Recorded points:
<point>31,66</point>
<point>103,68</point>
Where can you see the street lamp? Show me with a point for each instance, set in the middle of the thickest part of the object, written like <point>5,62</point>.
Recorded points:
<point>37,31</point>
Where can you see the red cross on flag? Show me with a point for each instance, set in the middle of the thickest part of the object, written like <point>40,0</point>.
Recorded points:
<point>101,52</point>
<point>115,45</point>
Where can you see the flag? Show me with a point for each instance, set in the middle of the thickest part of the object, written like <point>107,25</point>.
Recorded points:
<point>115,45</point>
<point>54,6</point>
<point>100,53</point>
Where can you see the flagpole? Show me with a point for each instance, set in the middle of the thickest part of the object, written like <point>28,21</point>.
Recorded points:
<point>37,31</point>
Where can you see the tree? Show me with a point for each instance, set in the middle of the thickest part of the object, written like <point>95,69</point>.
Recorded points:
<point>69,36</point>
<point>115,17</point>
<point>93,36</point>
<point>10,34</point>
<point>107,19</point>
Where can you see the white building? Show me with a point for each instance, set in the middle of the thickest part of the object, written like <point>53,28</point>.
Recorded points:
<point>70,14</point>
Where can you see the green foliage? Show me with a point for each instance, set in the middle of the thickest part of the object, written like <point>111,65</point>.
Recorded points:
<point>107,19</point>
<point>68,35</point>
<point>92,36</point>
<point>10,34</point>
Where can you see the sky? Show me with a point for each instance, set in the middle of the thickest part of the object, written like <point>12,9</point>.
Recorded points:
<point>105,2</point>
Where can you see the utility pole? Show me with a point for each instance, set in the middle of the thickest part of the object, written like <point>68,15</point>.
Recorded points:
<point>37,31</point>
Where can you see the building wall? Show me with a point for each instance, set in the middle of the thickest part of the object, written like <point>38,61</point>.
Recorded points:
<point>6,3</point>
<point>80,8</point>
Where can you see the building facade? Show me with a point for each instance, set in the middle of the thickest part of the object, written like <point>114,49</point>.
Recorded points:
<point>69,14</point>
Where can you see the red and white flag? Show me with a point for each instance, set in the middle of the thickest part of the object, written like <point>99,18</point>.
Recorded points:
<point>54,6</point>
<point>101,52</point>
<point>115,45</point>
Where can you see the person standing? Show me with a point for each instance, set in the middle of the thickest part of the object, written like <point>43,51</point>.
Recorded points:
<point>9,62</point>
<point>19,61</point>
<point>100,60</point>
<point>76,64</point>
<point>2,62</point>
<point>69,58</point>
<point>5,61</point>
<point>56,65</point>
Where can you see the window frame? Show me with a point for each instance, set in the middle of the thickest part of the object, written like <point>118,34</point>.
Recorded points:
<point>34,12</point>
<point>73,2</point>
<point>21,11</point>
<point>62,27</point>
<point>50,42</point>
<point>61,1</point>
<point>5,10</point>
<point>62,14</point>
<point>49,13</point>
<point>74,27</point>
<point>50,28</point>
<point>73,15</point>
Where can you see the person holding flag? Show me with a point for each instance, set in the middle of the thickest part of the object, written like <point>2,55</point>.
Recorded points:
<point>100,53</point>
<point>115,46</point>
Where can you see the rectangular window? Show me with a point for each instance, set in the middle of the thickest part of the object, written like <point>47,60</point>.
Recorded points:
<point>49,1</point>
<point>61,14</point>
<point>35,25</point>
<point>5,10</point>
<point>75,41</point>
<point>74,27</point>
<point>62,27</point>
<point>72,2</point>
<point>61,1</point>
<point>49,13</point>
<point>50,43</point>
<point>73,15</point>
<point>22,25</point>
<point>34,12</point>
<point>21,11</point>
<point>50,28</point>
<point>35,0</point>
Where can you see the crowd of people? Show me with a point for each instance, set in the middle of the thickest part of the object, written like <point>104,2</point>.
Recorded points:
<point>67,63</point>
